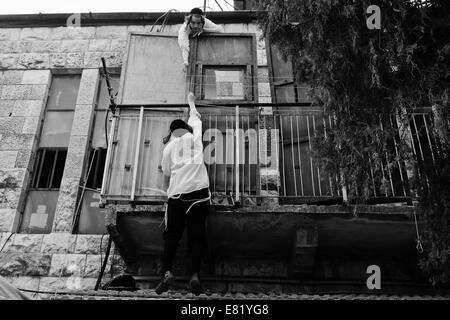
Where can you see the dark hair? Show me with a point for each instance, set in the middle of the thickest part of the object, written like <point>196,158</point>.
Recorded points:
<point>179,124</point>
<point>196,11</point>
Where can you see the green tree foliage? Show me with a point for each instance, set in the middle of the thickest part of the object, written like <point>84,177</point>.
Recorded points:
<point>371,81</point>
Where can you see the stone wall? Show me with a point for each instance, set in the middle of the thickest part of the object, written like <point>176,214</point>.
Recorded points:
<point>28,58</point>
<point>50,262</point>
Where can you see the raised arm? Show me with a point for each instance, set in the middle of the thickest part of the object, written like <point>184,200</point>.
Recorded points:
<point>194,117</point>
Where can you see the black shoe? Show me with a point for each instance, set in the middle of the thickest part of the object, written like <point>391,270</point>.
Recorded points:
<point>196,286</point>
<point>167,280</point>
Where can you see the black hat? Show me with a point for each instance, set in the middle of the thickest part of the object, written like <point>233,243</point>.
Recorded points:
<point>196,11</point>
<point>180,124</point>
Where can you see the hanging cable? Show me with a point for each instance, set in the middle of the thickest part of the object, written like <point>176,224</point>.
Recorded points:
<point>217,2</point>
<point>166,19</point>
<point>161,16</point>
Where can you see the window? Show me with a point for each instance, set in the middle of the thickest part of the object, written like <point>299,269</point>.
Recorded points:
<point>224,83</point>
<point>51,155</point>
<point>224,66</point>
<point>50,167</point>
<point>91,218</point>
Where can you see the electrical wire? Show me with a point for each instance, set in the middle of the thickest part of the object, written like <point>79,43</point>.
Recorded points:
<point>218,5</point>
<point>166,19</point>
<point>163,15</point>
<point>230,5</point>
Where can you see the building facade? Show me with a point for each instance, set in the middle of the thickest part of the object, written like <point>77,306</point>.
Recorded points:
<point>277,217</point>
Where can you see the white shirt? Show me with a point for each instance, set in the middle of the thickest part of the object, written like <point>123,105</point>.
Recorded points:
<point>185,31</point>
<point>182,160</point>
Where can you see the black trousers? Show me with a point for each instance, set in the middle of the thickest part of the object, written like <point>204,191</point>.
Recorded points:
<point>195,220</point>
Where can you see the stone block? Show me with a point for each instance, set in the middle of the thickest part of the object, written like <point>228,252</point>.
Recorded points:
<point>261,57</point>
<point>11,34</point>
<point>64,33</point>
<point>58,243</point>
<point>8,159</point>
<point>82,120</point>
<point>6,220</point>
<point>36,77</point>
<point>74,60</point>
<point>98,45</point>
<point>33,34</point>
<point>90,244</point>
<point>92,59</point>
<point>74,45</point>
<point>6,107</point>
<point>12,77</point>
<point>58,60</point>
<point>38,92</point>
<point>27,283</point>
<point>27,108</point>
<point>12,178</point>
<point>49,284</point>
<point>118,45</point>
<point>67,265</point>
<point>17,92</point>
<point>11,125</point>
<point>23,159</point>
<point>31,125</point>
<point>136,29</point>
<point>88,87</point>
<point>93,265</point>
<point>16,141</point>
<point>8,46</point>
<point>87,283</point>
<point>24,264</point>
<point>9,60</point>
<point>24,47</point>
<point>111,32</point>
<point>46,46</point>
<point>34,61</point>
<point>114,59</point>
<point>26,243</point>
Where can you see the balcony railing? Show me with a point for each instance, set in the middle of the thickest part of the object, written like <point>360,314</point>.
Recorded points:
<point>255,152</point>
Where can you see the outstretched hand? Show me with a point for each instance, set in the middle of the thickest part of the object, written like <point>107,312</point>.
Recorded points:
<point>191,98</point>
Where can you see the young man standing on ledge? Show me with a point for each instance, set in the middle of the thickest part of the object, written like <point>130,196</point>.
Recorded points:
<point>188,196</point>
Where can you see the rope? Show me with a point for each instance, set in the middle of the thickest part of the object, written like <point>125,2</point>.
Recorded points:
<point>419,246</point>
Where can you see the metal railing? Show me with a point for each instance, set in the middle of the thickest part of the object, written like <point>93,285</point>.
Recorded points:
<point>258,151</point>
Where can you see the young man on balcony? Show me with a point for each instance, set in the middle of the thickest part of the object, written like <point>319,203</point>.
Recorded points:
<point>194,25</point>
<point>188,195</point>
